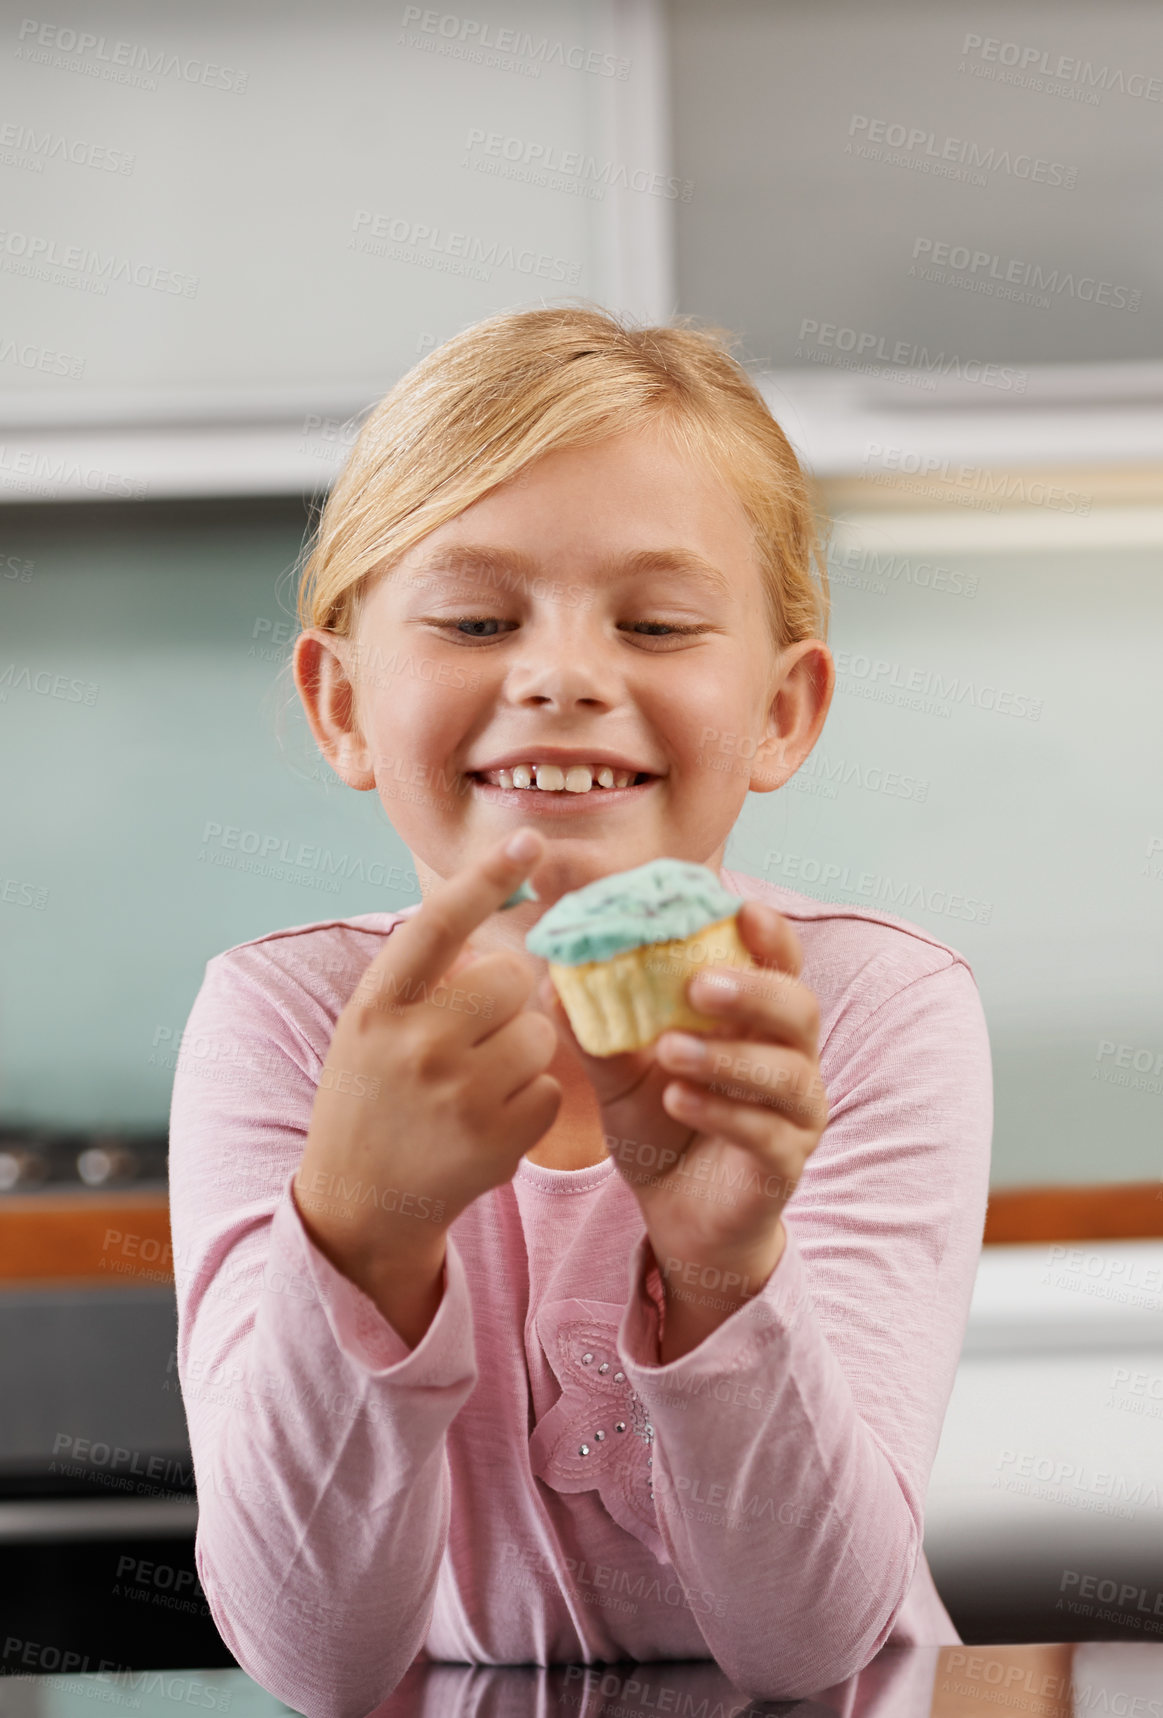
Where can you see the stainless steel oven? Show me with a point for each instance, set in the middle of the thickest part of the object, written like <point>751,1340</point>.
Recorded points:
<point>92,1432</point>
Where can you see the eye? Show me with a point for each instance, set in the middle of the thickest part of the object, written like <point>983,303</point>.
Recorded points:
<point>660,628</point>
<point>472,621</point>
<point>471,628</point>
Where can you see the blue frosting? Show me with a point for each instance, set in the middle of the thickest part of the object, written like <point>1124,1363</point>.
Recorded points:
<point>654,903</point>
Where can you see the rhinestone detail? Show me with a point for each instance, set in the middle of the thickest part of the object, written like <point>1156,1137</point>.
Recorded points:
<point>642,1426</point>
<point>645,1431</point>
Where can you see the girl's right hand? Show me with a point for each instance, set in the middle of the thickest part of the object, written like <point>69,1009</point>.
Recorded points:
<point>433,1089</point>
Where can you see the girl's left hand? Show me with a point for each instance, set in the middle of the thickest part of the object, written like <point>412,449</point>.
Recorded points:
<point>714,1142</point>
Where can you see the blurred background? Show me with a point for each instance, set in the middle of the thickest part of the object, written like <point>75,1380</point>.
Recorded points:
<point>935,234</point>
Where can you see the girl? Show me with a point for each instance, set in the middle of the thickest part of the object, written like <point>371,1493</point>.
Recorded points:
<point>491,1350</point>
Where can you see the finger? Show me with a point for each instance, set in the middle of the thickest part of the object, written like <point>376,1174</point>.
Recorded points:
<point>476,996</point>
<point>770,1076</point>
<point>777,1144</point>
<point>779,1153</point>
<point>421,949</point>
<point>769,938</point>
<point>531,1112</point>
<point>513,1056</point>
<point>769,1004</point>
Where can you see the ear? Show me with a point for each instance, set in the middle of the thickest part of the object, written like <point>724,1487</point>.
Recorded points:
<point>799,706</point>
<point>323,675</point>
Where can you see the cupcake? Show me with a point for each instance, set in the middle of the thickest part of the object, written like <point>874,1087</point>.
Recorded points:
<point>621,951</point>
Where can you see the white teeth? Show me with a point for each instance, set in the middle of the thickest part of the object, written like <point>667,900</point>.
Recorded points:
<point>552,778</point>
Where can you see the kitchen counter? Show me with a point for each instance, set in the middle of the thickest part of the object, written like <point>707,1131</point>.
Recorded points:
<point>1056,1681</point>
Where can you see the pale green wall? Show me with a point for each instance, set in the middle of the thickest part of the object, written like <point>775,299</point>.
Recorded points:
<point>159,610</point>
<point>1046,822</point>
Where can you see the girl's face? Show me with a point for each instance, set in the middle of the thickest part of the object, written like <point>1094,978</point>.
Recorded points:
<point>602,608</point>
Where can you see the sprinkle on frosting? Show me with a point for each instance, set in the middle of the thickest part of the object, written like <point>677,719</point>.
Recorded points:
<point>654,903</point>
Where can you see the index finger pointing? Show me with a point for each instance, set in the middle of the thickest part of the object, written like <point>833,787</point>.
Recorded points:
<point>422,948</point>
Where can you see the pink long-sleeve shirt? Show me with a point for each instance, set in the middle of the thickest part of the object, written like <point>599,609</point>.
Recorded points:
<point>758,1501</point>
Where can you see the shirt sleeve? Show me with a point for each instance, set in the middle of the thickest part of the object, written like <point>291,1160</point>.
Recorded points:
<point>317,1435</point>
<point>793,1445</point>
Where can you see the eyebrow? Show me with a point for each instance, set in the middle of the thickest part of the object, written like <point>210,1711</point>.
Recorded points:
<point>487,561</point>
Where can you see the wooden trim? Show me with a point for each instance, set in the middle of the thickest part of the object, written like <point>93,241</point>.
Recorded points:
<point>111,1239</point>
<point>114,1239</point>
<point>1088,486</point>
<point>1128,1211</point>
<point>966,1679</point>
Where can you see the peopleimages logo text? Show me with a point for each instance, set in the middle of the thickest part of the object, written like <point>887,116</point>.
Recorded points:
<point>519,44</point>
<point>909,354</point>
<point>987,266</point>
<point>454,251</point>
<point>135,56</point>
<point>921,144</point>
<point>1034,63</point>
<point>878,672</point>
<point>571,164</point>
<point>38,249</point>
<point>981,487</point>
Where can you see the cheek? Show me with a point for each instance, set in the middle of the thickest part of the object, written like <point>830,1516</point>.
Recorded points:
<point>419,725</point>
<point>412,714</point>
<point>708,714</point>
<point>714,734</point>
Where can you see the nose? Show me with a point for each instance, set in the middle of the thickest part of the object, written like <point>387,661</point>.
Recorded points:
<point>563,666</point>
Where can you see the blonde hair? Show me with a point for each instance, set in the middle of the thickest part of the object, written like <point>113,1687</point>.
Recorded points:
<point>503,392</point>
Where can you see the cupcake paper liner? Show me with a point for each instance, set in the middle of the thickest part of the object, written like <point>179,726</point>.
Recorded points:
<point>626,1002</point>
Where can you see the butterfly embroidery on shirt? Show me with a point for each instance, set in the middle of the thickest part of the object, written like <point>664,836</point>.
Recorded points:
<point>597,1435</point>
